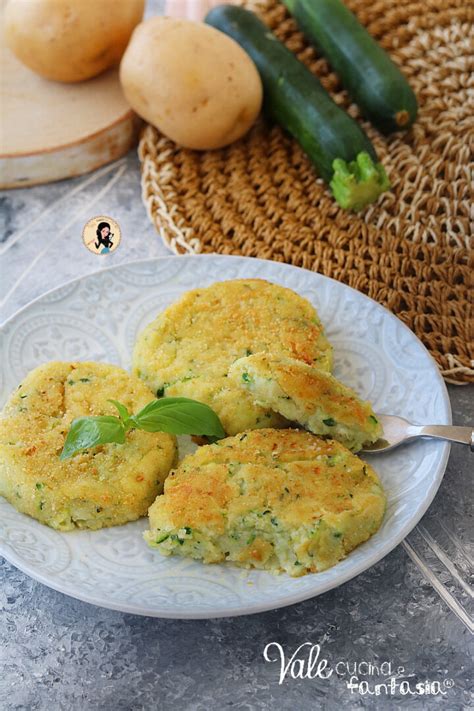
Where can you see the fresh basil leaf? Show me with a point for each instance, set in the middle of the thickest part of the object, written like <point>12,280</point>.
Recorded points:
<point>86,432</point>
<point>123,412</point>
<point>179,415</point>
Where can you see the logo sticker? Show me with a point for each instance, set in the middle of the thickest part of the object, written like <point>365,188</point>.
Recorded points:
<point>101,235</point>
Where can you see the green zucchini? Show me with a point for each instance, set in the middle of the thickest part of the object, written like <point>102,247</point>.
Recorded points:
<point>374,82</point>
<point>342,153</point>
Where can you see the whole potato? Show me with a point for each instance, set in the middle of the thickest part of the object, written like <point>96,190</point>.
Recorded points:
<point>192,82</point>
<point>70,40</point>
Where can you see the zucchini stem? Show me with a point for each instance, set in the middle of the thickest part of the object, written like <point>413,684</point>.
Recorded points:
<point>358,183</point>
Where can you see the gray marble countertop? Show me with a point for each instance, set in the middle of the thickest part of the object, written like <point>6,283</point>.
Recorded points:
<point>59,653</point>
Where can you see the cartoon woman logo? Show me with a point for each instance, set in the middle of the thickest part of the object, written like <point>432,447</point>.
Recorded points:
<point>104,237</point>
<point>101,235</point>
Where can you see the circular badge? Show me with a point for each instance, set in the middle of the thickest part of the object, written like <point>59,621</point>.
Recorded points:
<point>101,235</point>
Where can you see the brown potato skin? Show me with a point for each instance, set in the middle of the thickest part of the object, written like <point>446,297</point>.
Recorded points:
<point>195,84</point>
<point>70,40</point>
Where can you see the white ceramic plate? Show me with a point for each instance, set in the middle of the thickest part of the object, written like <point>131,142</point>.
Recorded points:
<point>98,318</point>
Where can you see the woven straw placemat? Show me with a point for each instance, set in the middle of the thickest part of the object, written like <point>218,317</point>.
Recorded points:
<point>261,197</point>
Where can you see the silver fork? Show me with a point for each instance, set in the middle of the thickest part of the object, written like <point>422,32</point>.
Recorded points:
<point>397,430</point>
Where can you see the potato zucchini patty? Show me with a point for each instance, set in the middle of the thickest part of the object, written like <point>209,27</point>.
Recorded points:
<point>105,486</point>
<point>189,348</point>
<point>314,399</point>
<point>280,500</point>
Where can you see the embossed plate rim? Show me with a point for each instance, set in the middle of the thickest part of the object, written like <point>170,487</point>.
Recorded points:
<point>370,559</point>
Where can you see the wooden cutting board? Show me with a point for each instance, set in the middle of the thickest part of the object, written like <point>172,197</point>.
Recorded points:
<point>50,131</point>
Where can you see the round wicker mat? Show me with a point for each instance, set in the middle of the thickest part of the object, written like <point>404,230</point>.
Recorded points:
<point>261,196</point>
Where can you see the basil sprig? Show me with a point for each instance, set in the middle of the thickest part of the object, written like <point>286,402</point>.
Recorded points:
<point>175,415</point>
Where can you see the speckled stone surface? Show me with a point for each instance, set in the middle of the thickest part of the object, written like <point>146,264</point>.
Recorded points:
<point>58,653</point>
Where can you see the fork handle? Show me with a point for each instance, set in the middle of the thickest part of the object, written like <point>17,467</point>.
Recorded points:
<point>463,435</point>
